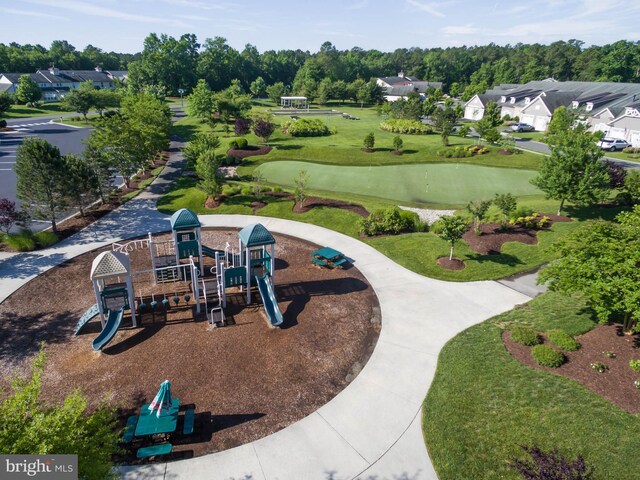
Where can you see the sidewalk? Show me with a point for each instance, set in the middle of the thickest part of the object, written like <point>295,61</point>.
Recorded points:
<point>372,429</point>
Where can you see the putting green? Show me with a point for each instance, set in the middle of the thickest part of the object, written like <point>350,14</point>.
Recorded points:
<point>444,183</point>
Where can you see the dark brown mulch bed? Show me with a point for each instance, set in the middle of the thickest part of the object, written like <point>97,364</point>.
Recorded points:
<point>248,152</point>
<point>313,202</point>
<point>213,203</point>
<point>615,384</point>
<point>453,264</point>
<point>257,205</point>
<point>396,152</point>
<point>505,152</point>
<point>368,150</point>
<point>493,236</point>
<point>246,380</point>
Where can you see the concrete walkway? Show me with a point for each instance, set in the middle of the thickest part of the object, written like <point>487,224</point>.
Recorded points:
<point>372,429</point>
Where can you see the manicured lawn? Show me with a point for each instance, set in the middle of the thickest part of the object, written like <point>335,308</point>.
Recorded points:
<point>47,109</point>
<point>483,404</point>
<point>629,157</point>
<point>436,183</point>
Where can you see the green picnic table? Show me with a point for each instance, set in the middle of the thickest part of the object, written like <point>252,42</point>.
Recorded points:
<point>150,424</point>
<point>329,256</point>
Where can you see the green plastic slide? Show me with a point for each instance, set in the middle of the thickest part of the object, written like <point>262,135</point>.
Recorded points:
<point>109,330</point>
<point>269,300</point>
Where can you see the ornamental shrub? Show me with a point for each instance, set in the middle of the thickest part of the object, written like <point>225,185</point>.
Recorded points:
<point>238,144</point>
<point>563,340</point>
<point>533,221</point>
<point>306,127</point>
<point>22,241</point>
<point>388,221</point>
<point>635,365</point>
<point>45,239</point>
<point>405,126</point>
<point>546,356</point>
<point>524,335</point>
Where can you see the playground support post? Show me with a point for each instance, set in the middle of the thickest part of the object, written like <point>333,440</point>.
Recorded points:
<point>96,290</point>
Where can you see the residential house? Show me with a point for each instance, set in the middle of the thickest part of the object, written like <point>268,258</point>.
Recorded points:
<point>401,86</point>
<point>606,106</point>
<point>55,83</point>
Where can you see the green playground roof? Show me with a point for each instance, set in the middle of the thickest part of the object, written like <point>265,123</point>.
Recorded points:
<point>255,235</point>
<point>183,219</point>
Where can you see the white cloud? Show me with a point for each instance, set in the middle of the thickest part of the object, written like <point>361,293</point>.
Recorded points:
<point>335,33</point>
<point>359,5</point>
<point>95,10</point>
<point>431,8</point>
<point>30,13</point>
<point>460,30</point>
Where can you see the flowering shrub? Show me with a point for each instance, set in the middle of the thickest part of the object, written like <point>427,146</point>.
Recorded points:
<point>635,365</point>
<point>533,221</point>
<point>463,152</point>
<point>409,127</point>
<point>599,367</point>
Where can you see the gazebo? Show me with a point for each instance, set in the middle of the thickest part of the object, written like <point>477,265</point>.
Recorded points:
<point>294,102</point>
<point>109,266</point>
<point>253,240</point>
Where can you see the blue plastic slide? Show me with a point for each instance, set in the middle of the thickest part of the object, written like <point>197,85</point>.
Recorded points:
<point>86,316</point>
<point>269,300</point>
<point>109,330</point>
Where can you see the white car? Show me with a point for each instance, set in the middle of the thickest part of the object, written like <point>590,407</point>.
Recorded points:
<point>613,144</point>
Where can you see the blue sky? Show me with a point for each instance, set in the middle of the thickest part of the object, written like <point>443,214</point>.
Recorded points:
<point>122,25</point>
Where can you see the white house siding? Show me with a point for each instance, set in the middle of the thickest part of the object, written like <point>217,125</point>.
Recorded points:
<point>474,109</point>
<point>540,123</point>
<point>626,127</point>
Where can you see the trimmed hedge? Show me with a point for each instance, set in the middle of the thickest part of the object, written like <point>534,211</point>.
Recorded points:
<point>548,357</point>
<point>563,340</point>
<point>389,221</point>
<point>306,127</point>
<point>408,127</point>
<point>238,144</point>
<point>525,335</point>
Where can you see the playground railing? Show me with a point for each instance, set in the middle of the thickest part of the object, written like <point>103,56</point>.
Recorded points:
<point>130,246</point>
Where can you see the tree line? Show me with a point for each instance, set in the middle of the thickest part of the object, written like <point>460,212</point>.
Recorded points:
<point>177,63</point>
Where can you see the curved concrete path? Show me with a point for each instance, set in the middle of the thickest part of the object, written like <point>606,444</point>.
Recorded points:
<point>372,429</point>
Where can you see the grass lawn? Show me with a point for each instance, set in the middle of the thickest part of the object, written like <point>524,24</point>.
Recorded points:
<point>47,109</point>
<point>436,183</point>
<point>629,157</point>
<point>345,147</point>
<point>483,404</point>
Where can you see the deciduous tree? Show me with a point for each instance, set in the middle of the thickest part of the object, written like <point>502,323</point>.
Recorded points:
<point>201,102</point>
<point>300,191</point>
<point>444,120</point>
<point>27,91</point>
<point>573,172</point>
<point>452,228</point>
<point>6,101</point>
<point>600,260</point>
<point>82,183</point>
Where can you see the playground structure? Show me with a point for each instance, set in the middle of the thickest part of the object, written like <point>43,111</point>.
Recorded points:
<point>180,261</point>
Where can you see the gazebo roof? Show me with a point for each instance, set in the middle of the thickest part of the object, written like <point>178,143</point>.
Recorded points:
<point>183,219</point>
<point>255,235</point>
<point>110,264</point>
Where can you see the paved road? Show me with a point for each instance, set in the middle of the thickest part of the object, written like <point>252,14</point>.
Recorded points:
<point>543,148</point>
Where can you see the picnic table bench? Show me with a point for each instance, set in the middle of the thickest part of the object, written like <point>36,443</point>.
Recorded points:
<point>154,450</point>
<point>328,257</point>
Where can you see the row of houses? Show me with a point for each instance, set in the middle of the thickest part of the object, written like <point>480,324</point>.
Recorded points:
<point>55,83</point>
<point>613,108</point>
<point>402,85</point>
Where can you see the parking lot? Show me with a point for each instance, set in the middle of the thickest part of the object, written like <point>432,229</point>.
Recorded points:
<point>67,139</point>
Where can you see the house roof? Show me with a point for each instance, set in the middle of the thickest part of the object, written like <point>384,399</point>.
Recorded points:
<point>63,76</point>
<point>393,81</point>
<point>255,235</point>
<point>110,264</point>
<point>184,219</point>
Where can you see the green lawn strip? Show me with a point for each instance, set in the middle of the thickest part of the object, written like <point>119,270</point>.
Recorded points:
<point>143,184</point>
<point>79,121</point>
<point>482,404</point>
<point>345,147</point>
<point>46,110</point>
<point>629,157</point>
<point>443,183</point>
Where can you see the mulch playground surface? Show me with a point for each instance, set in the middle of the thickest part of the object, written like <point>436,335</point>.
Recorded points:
<point>246,380</point>
<point>615,384</point>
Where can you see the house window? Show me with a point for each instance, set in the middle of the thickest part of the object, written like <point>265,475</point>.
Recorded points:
<point>575,104</point>
<point>527,101</point>
<point>589,107</point>
<point>512,100</point>
<point>503,99</point>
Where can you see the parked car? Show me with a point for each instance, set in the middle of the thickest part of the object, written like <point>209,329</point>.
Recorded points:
<point>521,127</point>
<point>613,144</point>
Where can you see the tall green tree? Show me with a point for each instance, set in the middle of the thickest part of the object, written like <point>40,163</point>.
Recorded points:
<point>561,121</point>
<point>80,100</point>
<point>82,182</point>
<point>301,182</point>
<point>27,91</point>
<point>600,260</point>
<point>41,178</point>
<point>444,120</point>
<point>492,114</point>
<point>275,91</point>
<point>573,171</point>
<point>258,87</point>
<point>6,101</point>
<point>99,164</point>
<point>207,170</point>
<point>201,102</point>
<point>31,426</point>
<point>200,143</point>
